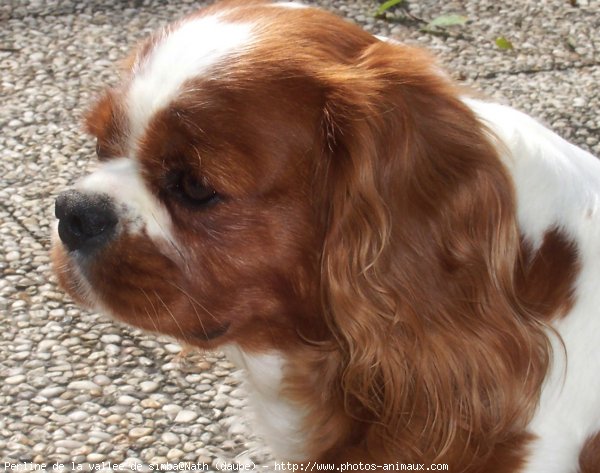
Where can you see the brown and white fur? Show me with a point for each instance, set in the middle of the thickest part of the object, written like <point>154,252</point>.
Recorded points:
<point>406,274</point>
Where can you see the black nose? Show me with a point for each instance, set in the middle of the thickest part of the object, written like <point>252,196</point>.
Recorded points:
<point>86,221</point>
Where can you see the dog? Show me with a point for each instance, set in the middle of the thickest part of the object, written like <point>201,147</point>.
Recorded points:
<point>405,272</point>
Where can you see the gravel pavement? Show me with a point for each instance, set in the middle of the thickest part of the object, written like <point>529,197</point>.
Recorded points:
<point>78,387</point>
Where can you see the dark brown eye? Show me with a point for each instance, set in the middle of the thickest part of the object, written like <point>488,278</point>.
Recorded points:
<point>193,191</point>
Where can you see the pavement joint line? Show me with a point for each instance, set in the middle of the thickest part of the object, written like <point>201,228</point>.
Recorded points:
<point>37,238</point>
<point>494,74</point>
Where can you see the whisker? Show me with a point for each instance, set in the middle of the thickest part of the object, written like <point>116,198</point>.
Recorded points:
<point>154,322</point>
<point>172,316</point>
<point>171,242</point>
<point>197,315</point>
<point>194,301</point>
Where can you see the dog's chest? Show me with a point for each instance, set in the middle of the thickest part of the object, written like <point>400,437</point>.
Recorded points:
<point>275,419</point>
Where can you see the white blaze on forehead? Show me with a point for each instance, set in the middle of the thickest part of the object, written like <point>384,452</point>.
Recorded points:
<point>289,5</point>
<point>137,208</point>
<point>181,54</point>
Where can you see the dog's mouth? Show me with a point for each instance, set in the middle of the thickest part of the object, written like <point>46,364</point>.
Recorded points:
<point>208,335</point>
<point>128,305</point>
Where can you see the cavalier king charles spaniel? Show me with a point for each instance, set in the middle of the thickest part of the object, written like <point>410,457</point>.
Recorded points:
<point>406,273</point>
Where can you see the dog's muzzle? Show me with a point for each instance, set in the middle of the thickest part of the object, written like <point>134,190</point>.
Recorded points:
<point>87,222</point>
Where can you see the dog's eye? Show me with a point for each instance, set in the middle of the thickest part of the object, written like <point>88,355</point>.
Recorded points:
<point>193,191</point>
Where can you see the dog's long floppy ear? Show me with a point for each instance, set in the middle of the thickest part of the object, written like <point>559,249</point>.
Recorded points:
<point>419,260</point>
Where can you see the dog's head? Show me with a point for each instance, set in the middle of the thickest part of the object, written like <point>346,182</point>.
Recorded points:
<point>271,176</point>
<point>207,215</point>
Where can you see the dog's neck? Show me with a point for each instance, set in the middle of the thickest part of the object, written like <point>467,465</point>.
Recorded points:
<point>275,418</point>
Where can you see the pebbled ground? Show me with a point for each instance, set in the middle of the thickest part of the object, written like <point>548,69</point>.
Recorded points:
<point>79,387</point>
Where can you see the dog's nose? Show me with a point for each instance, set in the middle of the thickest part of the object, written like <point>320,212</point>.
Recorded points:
<point>86,221</point>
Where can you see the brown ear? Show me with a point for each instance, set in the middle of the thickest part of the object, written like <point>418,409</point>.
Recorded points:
<point>104,121</point>
<point>418,264</point>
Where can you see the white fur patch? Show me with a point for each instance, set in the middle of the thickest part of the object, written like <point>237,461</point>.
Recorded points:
<point>293,5</point>
<point>138,210</point>
<point>558,186</point>
<point>183,53</point>
<point>277,420</point>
